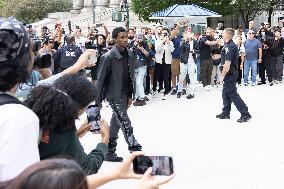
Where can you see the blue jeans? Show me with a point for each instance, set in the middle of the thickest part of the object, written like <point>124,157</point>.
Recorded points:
<point>250,64</point>
<point>197,62</point>
<point>139,76</point>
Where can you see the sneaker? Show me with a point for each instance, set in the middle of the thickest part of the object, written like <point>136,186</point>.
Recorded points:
<point>139,102</point>
<point>223,116</point>
<point>154,93</point>
<point>183,92</point>
<point>246,84</point>
<point>190,96</point>
<point>165,97</point>
<point>271,83</point>
<point>253,84</point>
<point>112,157</point>
<point>174,92</point>
<point>179,94</point>
<point>276,82</point>
<point>244,118</point>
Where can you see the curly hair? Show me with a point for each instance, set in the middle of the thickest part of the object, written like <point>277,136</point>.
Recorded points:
<point>78,87</point>
<point>55,110</point>
<point>58,106</point>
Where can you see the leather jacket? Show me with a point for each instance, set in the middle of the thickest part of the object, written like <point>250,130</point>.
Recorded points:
<point>109,82</point>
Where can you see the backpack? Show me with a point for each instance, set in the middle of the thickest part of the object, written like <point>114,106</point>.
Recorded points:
<point>196,46</point>
<point>8,99</point>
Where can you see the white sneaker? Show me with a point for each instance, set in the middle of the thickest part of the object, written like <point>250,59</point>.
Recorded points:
<point>207,88</point>
<point>165,97</point>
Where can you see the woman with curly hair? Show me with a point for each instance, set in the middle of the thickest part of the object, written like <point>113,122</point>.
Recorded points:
<point>58,106</point>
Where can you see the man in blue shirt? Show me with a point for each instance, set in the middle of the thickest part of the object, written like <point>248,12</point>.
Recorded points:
<point>253,50</point>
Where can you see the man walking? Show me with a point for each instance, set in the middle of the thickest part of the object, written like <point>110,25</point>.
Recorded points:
<point>229,60</point>
<point>116,83</point>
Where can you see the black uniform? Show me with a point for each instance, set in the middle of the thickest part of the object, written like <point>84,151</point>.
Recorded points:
<point>229,94</point>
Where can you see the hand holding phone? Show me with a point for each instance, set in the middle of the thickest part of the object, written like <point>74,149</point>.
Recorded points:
<point>94,118</point>
<point>161,165</point>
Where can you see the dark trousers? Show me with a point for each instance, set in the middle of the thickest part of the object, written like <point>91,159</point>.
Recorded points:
<point>163,75</point>
<point>277,67</point>
<point>230,95</point>
<point>120,120</point>
<point>158,77</point>
<point>148,81</point>
<point>206,68</point>
<point>240,71</point>
<point>265,66</point>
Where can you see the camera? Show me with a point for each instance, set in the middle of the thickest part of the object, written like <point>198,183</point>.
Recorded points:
<point>77,27</point>
<point>94,117</point>
<point>161,165</point>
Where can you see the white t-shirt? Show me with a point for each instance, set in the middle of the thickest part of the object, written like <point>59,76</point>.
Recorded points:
<point>19,133</point>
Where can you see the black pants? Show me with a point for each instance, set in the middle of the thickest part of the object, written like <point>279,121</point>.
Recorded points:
<point>230,94</point>
<point>206,67</point>
<point>277,67</point>
<point>265,66</point>
<point>163,75</point>
<point>158,77</point>
<point>240,71</point>
<point>120,120</point>
<point>148,81</point>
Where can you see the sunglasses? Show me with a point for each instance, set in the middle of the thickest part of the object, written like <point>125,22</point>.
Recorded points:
<point>250,33</point>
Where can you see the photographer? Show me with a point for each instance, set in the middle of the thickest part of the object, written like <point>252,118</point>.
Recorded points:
<point>57,107</point>
<point>101,49</point>
<point>142,54</point>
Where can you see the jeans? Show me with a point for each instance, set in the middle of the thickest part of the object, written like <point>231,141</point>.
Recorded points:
<point>190,69</point>
<point>140,75</point>
<point>216,74</point>
<point>250,64</point>
<point>197,62</point>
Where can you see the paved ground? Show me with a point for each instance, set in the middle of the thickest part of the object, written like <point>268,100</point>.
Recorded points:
<point>210,153</point>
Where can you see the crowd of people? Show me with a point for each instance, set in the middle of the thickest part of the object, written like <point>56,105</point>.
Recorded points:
<point>51,74</point>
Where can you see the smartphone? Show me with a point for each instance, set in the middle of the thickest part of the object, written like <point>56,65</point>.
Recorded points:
<point>161,165</point>
<point>93,58</point>
<point>99,25</point>
<point>94,117</point>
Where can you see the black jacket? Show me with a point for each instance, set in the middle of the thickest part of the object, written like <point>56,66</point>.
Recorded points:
<point>184,51</point>
<point>109,81</point>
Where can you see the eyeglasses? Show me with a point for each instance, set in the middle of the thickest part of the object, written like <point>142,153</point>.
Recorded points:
<point>250,33</point>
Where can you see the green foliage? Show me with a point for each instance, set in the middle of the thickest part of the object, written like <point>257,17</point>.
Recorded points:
<point>145,8</point>
<point>32,10</point>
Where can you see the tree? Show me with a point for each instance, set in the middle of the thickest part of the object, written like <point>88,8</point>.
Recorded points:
<point>273,5</point>
<point>248,9</point>
<point>145,8</point>
<point>32,10</point>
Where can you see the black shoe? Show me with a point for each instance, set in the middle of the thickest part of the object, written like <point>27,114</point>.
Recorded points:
<point>271,83</point>
<point>190,96</point>
<point>174,92</point>
<point>179,94</point>
<point>183,92</point>
<point>261,83</point>
<point>146,98</point>
<point>112,157</point>
<point>139,102</point>
<point>244,118</point>
<point>223,116</point>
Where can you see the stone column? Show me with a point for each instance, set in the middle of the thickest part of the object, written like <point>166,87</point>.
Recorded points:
<point>77,6</point>
<point>115,3</point>
<point>87,5</point>
<point>101,4</point>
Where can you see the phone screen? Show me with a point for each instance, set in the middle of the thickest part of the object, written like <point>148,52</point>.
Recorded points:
<point>94,117</point>
<point>161,165</point>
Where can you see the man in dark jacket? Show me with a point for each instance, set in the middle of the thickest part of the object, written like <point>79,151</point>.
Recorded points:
<point>116,83</point>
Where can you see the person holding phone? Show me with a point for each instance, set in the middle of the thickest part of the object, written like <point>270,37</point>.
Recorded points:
<point>57,107</point>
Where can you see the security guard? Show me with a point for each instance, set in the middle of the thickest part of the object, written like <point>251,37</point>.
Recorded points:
<point>229,60</point>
